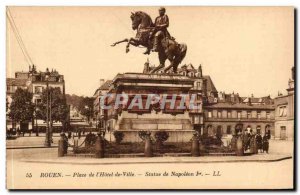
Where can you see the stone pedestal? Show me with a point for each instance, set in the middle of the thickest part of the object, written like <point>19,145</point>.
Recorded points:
<point>176,122</point>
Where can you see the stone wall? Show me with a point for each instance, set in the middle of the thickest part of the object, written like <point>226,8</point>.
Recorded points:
<point>178,126</point>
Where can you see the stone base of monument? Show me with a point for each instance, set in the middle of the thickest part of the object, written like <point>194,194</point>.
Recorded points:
<point>174,136</point>
<point>178,126</point>
<point>167,149</point>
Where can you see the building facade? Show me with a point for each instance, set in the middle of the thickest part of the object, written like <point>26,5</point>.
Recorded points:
<point>100,114</point>
<point>35,82</point>
<point>180,124</point>
<point>235,114</point>
<point>218,113</point>
<point>284,112</point>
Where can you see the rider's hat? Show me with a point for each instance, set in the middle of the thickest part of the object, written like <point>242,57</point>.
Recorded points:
<point>162,9</point>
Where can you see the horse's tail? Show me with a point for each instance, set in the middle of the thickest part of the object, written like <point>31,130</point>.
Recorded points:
<point>183,50</point>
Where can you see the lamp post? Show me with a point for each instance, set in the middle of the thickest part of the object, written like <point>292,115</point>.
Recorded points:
<point>96,121</point>
<point>36,125</point>
<point>48,133</point>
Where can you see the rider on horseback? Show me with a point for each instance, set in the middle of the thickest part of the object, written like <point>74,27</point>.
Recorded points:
<point>164,44</point>
<point>160,31</point>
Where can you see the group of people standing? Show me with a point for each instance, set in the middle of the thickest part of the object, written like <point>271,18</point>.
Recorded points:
<point>250,139</point>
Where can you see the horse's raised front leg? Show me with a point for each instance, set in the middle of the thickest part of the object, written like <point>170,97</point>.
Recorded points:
<point>118,42</point>
<point>131,41</point>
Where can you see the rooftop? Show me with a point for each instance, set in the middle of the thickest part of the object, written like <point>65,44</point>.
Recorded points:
<point>239,106</point>
<point>105,85</point>
<point>16,82</point>
<point>210,85</point>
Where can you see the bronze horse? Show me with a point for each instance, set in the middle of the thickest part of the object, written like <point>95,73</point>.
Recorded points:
<point>169,48</point>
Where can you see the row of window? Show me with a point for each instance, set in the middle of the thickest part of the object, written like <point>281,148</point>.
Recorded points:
<point>40,89</point>
<point>191,74</point>
<point>37,89</point>
<point>231,130</point>
<point>13,88</point>
<point>239,114</point>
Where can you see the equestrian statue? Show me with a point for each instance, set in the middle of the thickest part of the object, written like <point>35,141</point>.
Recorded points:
<point>156,38</point>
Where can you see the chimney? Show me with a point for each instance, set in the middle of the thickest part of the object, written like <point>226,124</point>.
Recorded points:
<point>200,70</point>
<point>237,98</point>
<point>101,82</point>
<point>232,97</point>
<point>249,101</point>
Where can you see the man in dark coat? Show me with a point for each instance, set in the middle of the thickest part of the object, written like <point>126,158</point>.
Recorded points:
<point>69,134</point>
<point>265,141</point>
<point>79,133</point>
<point>161,24</point>
<point>259,141</point>
<point>66,143</point>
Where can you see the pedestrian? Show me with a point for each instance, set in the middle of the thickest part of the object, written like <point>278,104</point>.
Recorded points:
<point>18,132</point>
<point>245,140</point>
<point>69,134</point>
<point>89,139</point>
<point>259,141</point>
<point>233,142</point>
<point>79,134</point>
<point>66,143</point>
<point>252,142</point>
<point>265,141</point>
<point>36,131</point>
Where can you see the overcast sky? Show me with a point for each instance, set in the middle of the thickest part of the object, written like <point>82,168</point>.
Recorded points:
<point>245,50</point>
